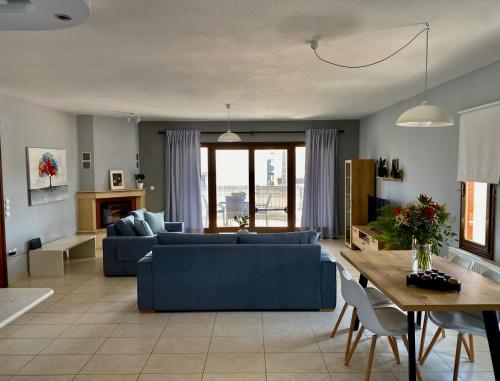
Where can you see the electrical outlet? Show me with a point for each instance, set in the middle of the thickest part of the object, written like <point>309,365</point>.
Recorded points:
<point>151,187</point>
<point>12,251</point>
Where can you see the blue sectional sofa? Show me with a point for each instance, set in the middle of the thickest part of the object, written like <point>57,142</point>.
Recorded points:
<point>121,252</point>
<point>195,272</point>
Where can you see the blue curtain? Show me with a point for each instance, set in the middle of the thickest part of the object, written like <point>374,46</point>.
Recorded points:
<point>182,179</point>
<point>319,210</point>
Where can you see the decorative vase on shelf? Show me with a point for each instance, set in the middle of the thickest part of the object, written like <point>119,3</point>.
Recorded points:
<point>140,185</point>
<point>422,256</point>
<point>243,231</point>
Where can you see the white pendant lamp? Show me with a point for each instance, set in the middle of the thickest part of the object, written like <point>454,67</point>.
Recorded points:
<point>425,115</point>
<point>228,136</point>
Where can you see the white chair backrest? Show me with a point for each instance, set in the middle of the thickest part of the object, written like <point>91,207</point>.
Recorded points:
<point>492,274</point>
<point>345,284</point>
<point>495,277</point>
<point>364,308</point>
<point>462,262</point>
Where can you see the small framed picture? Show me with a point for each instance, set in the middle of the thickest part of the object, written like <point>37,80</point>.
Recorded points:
<point>86,160</point>
<point>116,179</point>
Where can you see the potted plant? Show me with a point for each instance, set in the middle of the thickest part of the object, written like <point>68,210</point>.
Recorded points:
<point>382,167</point>
<point>423,225</point>
<point>139,179</point>
<point>242,222</point>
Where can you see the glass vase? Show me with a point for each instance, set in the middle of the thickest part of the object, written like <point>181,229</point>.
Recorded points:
<point>422,256</point>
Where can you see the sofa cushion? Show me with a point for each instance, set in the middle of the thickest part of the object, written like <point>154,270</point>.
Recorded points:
<point>142,228</point>
<point>156,221</point>
<point>196,239</point>
<point>138,214</point>
<point>125,226</point>
<point>309,237</point>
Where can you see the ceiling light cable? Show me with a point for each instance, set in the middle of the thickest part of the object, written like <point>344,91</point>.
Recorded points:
<point>315,44</point>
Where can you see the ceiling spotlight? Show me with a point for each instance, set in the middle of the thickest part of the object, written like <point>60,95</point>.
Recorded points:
<point>63,17</point>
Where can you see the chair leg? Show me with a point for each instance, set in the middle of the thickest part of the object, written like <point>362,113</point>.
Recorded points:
<point>349,337</point>
<point>468,349</point>
<point>471,347</point>
<point>422,337</point>
<point>457,356</point>
<point>405,342</point>
<point>394,345</point>
<point>431,345</point>
<point>370,358</point>
<point>354,345</point>
<point>341,316</point>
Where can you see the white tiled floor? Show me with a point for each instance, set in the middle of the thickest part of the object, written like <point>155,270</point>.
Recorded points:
<point>90,330</point>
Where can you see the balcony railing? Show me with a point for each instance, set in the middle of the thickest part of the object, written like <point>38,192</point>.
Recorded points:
<point>271,205</point>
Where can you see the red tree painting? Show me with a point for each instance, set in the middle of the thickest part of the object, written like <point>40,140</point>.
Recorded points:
<point>47,166</point>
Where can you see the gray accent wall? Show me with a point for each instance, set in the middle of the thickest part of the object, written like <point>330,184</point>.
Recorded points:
<point>24,125</point>
<point>429,156</point>
<point>114,143</point>
<point>152,149</point>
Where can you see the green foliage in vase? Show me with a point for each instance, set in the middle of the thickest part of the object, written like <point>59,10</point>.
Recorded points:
<point>424,220</point>
<point>388,232</point>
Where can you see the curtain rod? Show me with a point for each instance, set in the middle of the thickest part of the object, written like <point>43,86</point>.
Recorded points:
<point>254,132</point>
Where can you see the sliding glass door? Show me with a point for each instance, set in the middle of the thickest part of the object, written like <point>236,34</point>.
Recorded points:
<point>253,179</point>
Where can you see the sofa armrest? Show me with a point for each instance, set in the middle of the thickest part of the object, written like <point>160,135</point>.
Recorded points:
<point>174,227</point>
<point>328,281</point>
<point>145,283</point>
<point>120,254</point>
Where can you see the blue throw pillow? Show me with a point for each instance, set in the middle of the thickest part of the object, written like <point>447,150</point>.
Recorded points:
<point>142,228</point>
<point>125,226</point>
<point>156,221</point>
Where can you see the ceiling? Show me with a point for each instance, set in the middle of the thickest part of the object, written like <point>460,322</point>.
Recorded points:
<point>185,59</point>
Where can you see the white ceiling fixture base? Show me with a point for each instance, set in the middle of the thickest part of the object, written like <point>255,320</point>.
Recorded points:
<point>39,15</point>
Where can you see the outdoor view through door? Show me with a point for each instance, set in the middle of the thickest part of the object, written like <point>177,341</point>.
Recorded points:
<point>260,180</point>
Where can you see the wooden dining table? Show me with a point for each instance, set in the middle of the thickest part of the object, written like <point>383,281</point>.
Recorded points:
<point>387,270</point>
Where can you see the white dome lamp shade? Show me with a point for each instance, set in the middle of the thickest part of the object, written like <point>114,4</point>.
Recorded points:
<point>425,115</point>
<point>228,136</point>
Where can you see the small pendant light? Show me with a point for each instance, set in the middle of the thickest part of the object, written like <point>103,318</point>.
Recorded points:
<point>228,136</point>
<point>425,115</point>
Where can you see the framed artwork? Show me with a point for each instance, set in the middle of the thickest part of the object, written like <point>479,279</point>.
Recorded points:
<point>86,160</point>
<point>116,179</point>
<point>47,175</point>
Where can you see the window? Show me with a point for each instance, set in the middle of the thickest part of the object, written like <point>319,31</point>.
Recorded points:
<point>204,185</point>
<point>254,179</point>
<point>477,218</point>
<point>300,171</point>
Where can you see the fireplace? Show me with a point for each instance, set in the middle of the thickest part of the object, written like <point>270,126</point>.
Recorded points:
<point>110,210</point>
<point>91,205</point>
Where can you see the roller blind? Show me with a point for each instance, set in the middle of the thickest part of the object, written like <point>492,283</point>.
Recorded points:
<point>479,144</point>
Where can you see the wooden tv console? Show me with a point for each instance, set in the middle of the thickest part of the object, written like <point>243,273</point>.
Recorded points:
<point>364,238</point>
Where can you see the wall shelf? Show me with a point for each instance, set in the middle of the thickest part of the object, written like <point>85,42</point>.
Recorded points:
<point>397,179</point>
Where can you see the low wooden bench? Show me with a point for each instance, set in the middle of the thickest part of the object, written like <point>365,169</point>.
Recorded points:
<point>48,260</point>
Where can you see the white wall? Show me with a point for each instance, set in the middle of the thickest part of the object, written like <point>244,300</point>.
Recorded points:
<point>114,143</point>
<point>28,125</point>
<point>429,157</point>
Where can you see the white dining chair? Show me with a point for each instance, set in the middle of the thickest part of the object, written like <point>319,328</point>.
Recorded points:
<point>374,297</point>
<point>382,321</point>
<point>466,264</point>
<point>470,323</point>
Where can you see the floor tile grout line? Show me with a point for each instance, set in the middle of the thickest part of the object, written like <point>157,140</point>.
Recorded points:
<point>263,343</point>
<point>319,347</point>
<point>209,344</point>
<point>156,343</point>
